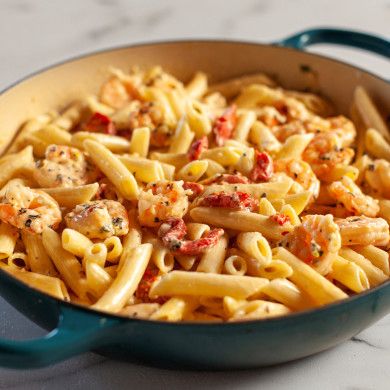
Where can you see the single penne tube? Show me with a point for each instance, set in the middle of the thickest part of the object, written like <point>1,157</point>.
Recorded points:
<point>197,316</point>
<point>8,237</point>
<point>182,139</point>
<point>50,285</point>
<point>213,168</point>
<point>98,280</point>
<point>258,309</point>
<point>96,253</point>
<point>255,246</point>
<point>168,171</point>
<point>186,262</point>
<point>29,127</point>
<point>52,134</point>
<point>140,140</point>
<point>132,240</point>
<point>193,171</point>
<point>375,275</point>
<point>66,263</point>
<point>112,142</point>
<point>294,146</point>
<point>244,125</point>
<point>162,258</point>
<point>94,105</point>
<point>263,138</point>
<point>176,101</point>
<point>114,248</point>
<point>289,212</point>
<point>127,280</point>
<point>112,270</point>
<point>70,197</point>
<point>143,170</point>
<point>265,207</point>
<point>232,87</point>
<point>113,168</point>
<point>18,260</point>
<point>369,113</point>
<point>197,86</point>
<point>206,284</point>
<point>174,309</point>
<point>321,290</point>
<point>223,155</point>
<point>37,257</point>
<point>377,256</point>
<point>212,260</point>
<point>273,190</point>
<point>235,265</point>
<point>241,221</point>
<point>75,242</point>
<point>298,201</point>
<point>349,274</point>
<point>198,118</point>
<point>286,292</point>
<point>376,144</point>
<point>12,164</point>
<point>273,270</point>
<point>178,160</point>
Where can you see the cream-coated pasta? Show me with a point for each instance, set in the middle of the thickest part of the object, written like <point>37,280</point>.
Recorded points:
<point>188,202</point>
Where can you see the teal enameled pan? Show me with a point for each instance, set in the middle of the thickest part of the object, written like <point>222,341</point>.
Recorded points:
<point>75,329</point>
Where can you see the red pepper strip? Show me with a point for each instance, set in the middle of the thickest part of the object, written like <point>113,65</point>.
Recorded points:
<point>237,200</point>
<point>196,188</point>
<point>172,232</point>
<point>99,123</point>
<point>224,125</point>
<point>281,219</point>
<point>197,147</point>
<point>263,167</point>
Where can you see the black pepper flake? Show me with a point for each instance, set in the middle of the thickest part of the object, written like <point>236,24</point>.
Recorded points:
<point>305,68</point>
<point>22,211</point>
<point>28,222</point>
<point>117,221</point>
<point>34,216</point>
<point>156,219</point>
<point>371,167</point>
<point>263,195</point>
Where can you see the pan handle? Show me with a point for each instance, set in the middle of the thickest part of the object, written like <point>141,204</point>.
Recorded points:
<point>76,332</point>
<point>357,39</point>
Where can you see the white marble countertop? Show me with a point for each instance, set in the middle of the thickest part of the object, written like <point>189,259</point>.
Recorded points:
<point>34,34</point>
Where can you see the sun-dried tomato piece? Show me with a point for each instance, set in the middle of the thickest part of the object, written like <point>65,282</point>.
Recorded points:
<point>142,292</point>
<point>197,147</point>
<point>197,247</point>
<point>263,167</point>
<point>196,188</point>
<point>172,232</point>
<point>99,123</point>
<point>237,200</point>
<point>224,125</point>
<point>281,219</point>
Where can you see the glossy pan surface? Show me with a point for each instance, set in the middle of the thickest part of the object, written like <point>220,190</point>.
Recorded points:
<point>75,329</point>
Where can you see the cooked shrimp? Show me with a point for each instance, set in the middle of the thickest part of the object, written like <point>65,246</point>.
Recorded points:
<point>316,237</point>
<point>99,219</point>
<point>64,166</point>
<point>352,197</point>
<point>343,128</point>
<point>377,176</point>
<point>114,93</point>
<point>173,230</point>
<point>324,152</point>
<point>161,200</point>
<point>301,172</point>
<point>363,231</point>
<point>28,209</point>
